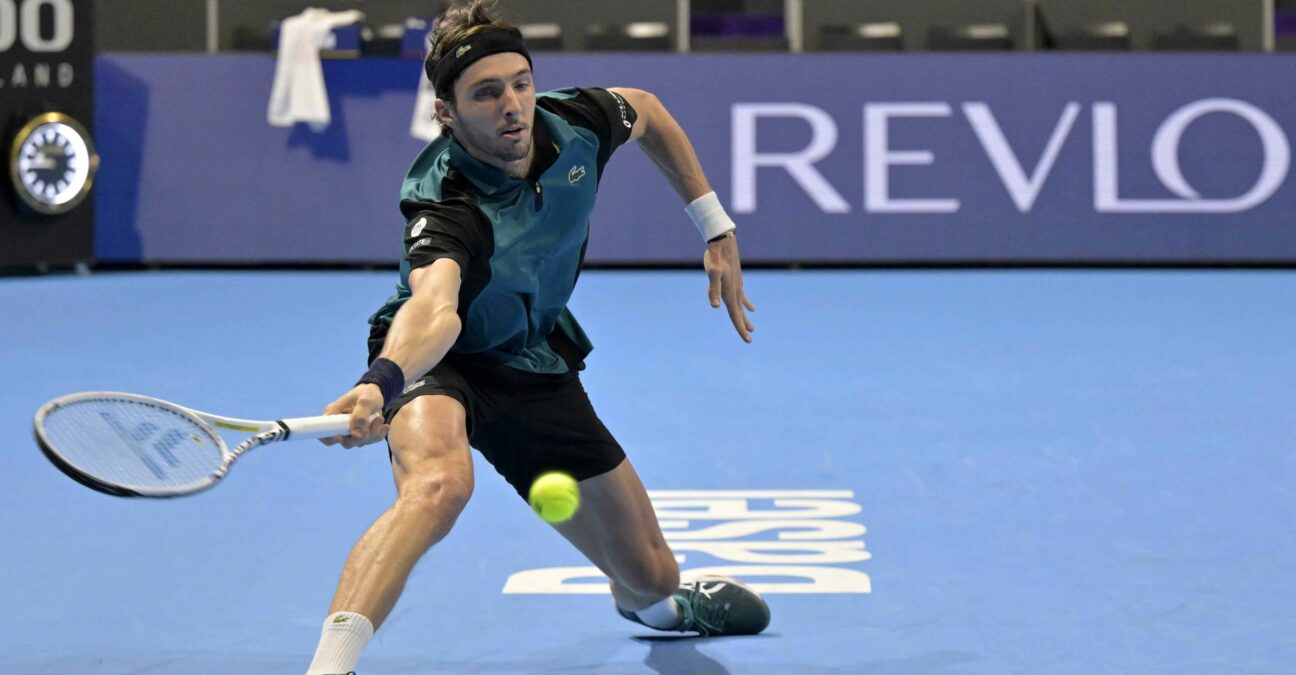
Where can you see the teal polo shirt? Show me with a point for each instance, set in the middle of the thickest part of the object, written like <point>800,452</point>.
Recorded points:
<point>519,242</point>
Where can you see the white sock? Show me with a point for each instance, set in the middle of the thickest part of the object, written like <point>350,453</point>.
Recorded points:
<point>344,637</point>
<point>664,615</point>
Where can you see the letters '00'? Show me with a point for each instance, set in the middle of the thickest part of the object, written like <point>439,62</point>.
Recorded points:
<point>21,19</point>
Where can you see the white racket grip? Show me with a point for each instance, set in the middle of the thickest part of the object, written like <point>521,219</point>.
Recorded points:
<point>300,428</point>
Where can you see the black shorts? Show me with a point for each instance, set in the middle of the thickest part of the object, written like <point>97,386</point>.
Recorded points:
<point>523,423</point>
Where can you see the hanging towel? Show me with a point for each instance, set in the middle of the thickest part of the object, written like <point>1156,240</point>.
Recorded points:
<point>298,94</point>
<point>424,125</point>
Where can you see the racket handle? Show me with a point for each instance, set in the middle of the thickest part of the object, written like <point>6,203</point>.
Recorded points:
<point>301,428</point>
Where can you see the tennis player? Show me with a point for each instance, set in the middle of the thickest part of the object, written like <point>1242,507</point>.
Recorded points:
<point>477,346</point>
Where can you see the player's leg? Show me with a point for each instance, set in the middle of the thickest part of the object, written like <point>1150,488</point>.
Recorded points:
<point>549,424</point>
<point>432,466</point>
<point>616,528</point>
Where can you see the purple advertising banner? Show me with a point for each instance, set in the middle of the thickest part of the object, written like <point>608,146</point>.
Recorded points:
<point>850,159</point>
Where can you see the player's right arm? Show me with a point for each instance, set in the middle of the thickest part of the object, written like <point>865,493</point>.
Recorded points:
<point>422,331</point>
<point>428,324</point>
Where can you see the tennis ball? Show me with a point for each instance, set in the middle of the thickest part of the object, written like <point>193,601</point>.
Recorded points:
<point>554,497</point>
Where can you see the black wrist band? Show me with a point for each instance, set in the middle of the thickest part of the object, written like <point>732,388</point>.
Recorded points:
<point>726,235</point>
<point>389,378</point>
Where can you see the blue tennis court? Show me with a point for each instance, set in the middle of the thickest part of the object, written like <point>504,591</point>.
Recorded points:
<point>927,472</point>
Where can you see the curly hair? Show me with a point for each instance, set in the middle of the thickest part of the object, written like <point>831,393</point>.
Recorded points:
<point>458,23</point>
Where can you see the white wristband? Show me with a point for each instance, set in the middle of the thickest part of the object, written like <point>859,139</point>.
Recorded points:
<point>710,216</point>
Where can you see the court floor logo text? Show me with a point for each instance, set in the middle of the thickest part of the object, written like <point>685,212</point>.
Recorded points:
<point>776,541</point>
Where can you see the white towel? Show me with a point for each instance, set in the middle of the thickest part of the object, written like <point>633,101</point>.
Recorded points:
<point>299,94</point>
<point>424,127</point>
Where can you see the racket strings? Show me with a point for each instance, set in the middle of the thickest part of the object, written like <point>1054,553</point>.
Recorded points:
<point>133,443</point>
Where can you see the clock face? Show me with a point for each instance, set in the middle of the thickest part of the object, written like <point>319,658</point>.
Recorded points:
<point>53,163</point>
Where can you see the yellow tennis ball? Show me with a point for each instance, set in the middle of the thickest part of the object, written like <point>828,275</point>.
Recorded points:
<point>554,497</point>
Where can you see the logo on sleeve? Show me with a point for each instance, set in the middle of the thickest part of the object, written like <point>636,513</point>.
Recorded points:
<point>577,173</point>
<point>419,244</point>
<point>418,227</point>
<point>622,106</point>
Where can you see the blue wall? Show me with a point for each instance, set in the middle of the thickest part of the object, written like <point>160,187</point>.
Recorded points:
<point>913,158</point>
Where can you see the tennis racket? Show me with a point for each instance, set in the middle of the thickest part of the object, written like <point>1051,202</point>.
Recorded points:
<point>129,445</point>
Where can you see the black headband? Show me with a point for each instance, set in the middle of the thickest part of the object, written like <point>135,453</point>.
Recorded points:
<point>468,51</point>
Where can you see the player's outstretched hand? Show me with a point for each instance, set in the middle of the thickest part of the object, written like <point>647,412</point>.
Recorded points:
<point>724,272</point>
<point>364,403</point>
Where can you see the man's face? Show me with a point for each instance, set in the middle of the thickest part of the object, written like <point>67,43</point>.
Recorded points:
<point>495,107</point>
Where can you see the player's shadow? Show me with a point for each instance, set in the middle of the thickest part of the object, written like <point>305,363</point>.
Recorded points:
<point>679,655</point>
<point>675,654</point>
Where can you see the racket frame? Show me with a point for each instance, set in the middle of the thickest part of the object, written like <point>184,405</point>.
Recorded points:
<point>263,431</point>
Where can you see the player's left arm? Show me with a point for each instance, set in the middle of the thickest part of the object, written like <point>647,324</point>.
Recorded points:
<point>666,144</point>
